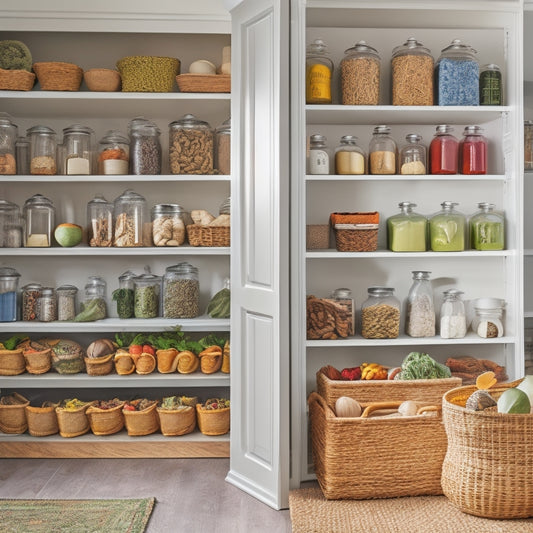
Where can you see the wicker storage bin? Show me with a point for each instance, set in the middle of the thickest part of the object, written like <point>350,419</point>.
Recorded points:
<point>175,422</point>
<point>488,466</point>
<point>148,74</point>
<point>143,422</point>
<point>42,421</point>
<point>106,421</point>
<point>213,421</point>
<point>99,366</point>
<point>378,457</point>
<point>355,232</point>
<point>204,83</point>
<point>102,79</point>
<point>425,390</point>
<point>208,235</point>
<point>73,422</point>
<point>37,362</point>
<point>12,362</point>
<point>16,80</point>
<point>13,417</point>
<point>58,76</point>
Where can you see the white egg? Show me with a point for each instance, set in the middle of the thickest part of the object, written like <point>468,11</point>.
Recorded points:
<point>202,66</point>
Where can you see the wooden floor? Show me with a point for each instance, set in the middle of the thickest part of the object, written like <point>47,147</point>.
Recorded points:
<point>191,494</point>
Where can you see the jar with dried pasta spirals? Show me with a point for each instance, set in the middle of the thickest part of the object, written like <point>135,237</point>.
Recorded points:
<point>380,314</point>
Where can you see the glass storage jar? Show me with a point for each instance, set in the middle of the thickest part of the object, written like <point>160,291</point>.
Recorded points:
<point>473,151</point>
<point>100,222</point>
<point>444,151</point>
<point>528,145</point>
<point>191,146</point>
<point>78,150</point>
<point>39,219</point>
<point>349,157</point>
<point>380,314</point>
<point>360,75</point>
<point>43,150</point>
<point>420,317</point>
<point>47,305</point>
<point>168,225</point>
<point>223,148</point>
<point>225,207</point>
<point>487,322</point>
<point>318,160</point>
<point>132,221</point>
<point>413,155</point>
<point>447,229</point>
<point>318,73</point>
<point>407,231</point>
<point>22,151</point>
<point>487,228</point>
<point>125,295</point>
<point>490,85</point>
<point>181,291</point>
<point>457,75</point>
<point>8,138</point>
<point>382,152</point>
<point>412,74</point>
<point>30,298</point>
<point>146,297</point>
<point>66,302</point>
<point>113,154</point>
<point>94,305</point>
<point>9,280</point>
<point>10,225</point>
<point>344,298</point>
<point>452,315</point>
<point>145,147</point>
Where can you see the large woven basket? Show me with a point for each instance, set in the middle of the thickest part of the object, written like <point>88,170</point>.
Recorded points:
<point>488,468</point>
<point>204,83</point>
<point>13,417</point>
<point>148,73</point>
<point>143,422</point>
<point>213,421</point>
<point>106,421</point>
<point>208,235</point>
<point>177,421</point>
<point>58,76</point>
<point>42,421</point>
<point>37,362</point>
<point>377,457</point>
<point>12,362</point>
<point>99,366</point>
<point>16,80</point>
<point>73,422</point>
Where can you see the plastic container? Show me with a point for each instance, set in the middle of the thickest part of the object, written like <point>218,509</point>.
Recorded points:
<point>47,305</point>
<point>125,295</point>
<point>43,150</point>
<point>10,225</point>
<point>490,85</point>
<point>473,150</point>
<point>382,152</point>
<point>9,279</point>
<point>22,151</point>
<point>420,317</point>
<point>319,160</point>
<point>223,148</point>
<point>344,298</point>
<point>412,156</point>
<point>100,222</point>
<point>168,225</point>
<point>360,75</point>
<point>132,221</point>
<point>181,291</point>
<point>8,138</point>
<point>380,314</point>
<point>487,228</point>
<point>452,315</point>
<point>147,291</point>
<point>444,151</point>
<point>145,147</point>
<point>349,157</point>
<point>407,231</point>
<point>39,217</point>
<point>447,229</point>
<point>66,302</point>
<point>78,150</point>
<point>113,154</point>
<point>487,322</point>
<point>30,297</point>
<point>318,73</point>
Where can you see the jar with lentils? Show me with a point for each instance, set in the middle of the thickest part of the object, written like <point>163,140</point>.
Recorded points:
<point>360,71</point>
<point>147,290</point>
<point>66,302</point>
<point>380,314</point>
<point>181,291</point>
<point>145,147</point>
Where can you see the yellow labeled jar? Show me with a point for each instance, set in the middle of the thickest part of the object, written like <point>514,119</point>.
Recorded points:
<point>319,70</point>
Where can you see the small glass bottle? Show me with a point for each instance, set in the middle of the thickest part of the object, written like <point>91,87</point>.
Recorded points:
<point>319,72</point>
<point>360,75</point>
<point>8,137</point>
<point>78,150</point>
<point>47,305</point>
<point>30,298</point>
<point>145,148</point>
<point>223,148</point>
<point>413,155</point>
<point>125,295</point>
<point>146,298</point>
<point>181,291</point>
<point>380,314</point>
<point>66,302</point>
<point>22,151</point>
<point>9,279</point>
<point>444,151</point>
<point>100,222</point>
<point>487,322</point>
<point>349,157</point>
<point>132,221</point>
<point>490,85</point>
<point>447,229</point>
<point>10,225</point>
<point>487,228</point>
<point>113,154</point>
<point>528,145</point>
<point>382,152</point>
<point>344,298</point>
<point>420,318</point>
<point>39,217</point>
<point>43,150</point>
<point>407,231</point>
<point>473,151</point>
<point>318,161</point>
<point>168,225</point>
<point>452,315</point>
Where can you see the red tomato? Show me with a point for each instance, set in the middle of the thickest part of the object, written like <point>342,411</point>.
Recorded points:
<point>135,349</point>
<point>129,407</point>
<point>147,348</point>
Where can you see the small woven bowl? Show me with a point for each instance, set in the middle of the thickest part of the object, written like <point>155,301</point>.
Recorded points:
<point>102,79</point>
<point>58,76</point>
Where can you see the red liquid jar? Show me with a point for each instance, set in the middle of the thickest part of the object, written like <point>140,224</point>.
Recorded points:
<point>443,152</point>
<point>473,151</point>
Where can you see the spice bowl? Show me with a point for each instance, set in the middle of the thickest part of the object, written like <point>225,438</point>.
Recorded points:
<point>102,79</point>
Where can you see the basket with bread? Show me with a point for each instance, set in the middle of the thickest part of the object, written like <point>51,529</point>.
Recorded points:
<point>208,230</point>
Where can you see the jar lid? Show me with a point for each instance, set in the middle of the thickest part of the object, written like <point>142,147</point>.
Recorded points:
<point>448,205</point>
<point>413,138</point>
<point>486,206</point>
<point>189,121</point>
<point>131,196</point>
<point>349,139</point>
<point>6,121</point>
<point>164,209</point>
<point>490,66</point>
<point>6,207</point>
<point>489,303</point>
<point>32,287</point>
<point>528,122</point>
<point>114,137</point>
<point>457,47</point>
<point>22,140</point>
<point>472,130</point>
<point>99,199</point>
<point>318,46</point>
<point>39,200</point>
<point>452,292</point>
<point>147,279</point>
<point>361,47</point>
<point>95,281</point>
<point>421,274</point>
<point>47,291</point>
<point>9,273</point>
<point>127,275</point>
<point>381,129</point>
<point>444,128</point>
<point>78,128</point>
<point>342,293</point>
<point>44,130</point>
<point>380,291</point>
<point>317,138</point>
<point>182,268</point>
<point>138,122</point>
<point>67,289</point>
<point>225,127</point>
<point>409,47</point>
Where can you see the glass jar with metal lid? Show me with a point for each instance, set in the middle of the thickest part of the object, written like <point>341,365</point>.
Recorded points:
<point>10,225</point>
<point>382,152</point>
<point>350,158</point>
<point>360,75</point>
<point>78,150</point>
<point>473,151</point>
<point>43,150</point>
<point>100,222</point>
<point>22,153</point>
<point>487,322</point>
<point>125,295</point>
<point>8,138</point>
<point>412,74</point>
<point>487,228</point>
<point>447,229</point>
<point>94,305</point>
<point>181,291</point>
<point>344,298</point>
<point>47,305</point>
<point>318,73</point>
<point>30,297</point>
<point>168,225</point>
<point>223,147</point>
<point>413,155</point>
<point>452,315</point>
<point>490,85</point>
<point>380,314</point>
<point>318,160</point>
<point>39,218</point>
<point>9,279</point>
<point>66,302</point>
<point>191,146</point>
<point>147,291</point>
<point>420,317</point>
<point>145,147</point>
<point>407,231</point>
<point>132,221</point>
<point>113,154</point>
<point>444,151</point>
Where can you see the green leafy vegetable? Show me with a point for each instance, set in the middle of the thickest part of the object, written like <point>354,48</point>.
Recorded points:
<point>418,365</point>
<point>212,340</point>
<point>14,341</point>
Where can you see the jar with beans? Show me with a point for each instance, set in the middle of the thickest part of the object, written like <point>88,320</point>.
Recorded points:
<point>145,147</point>
<point>147,291</point>
<point>382,152</point>
<point>113,154</point>
<point>100,222</point>
<point>168,225</point>
<point>30,296</point>
<point>349,157</point>
<point>181,291</point>
<point>380,314</point>
<point>360,71</point>
<point>43,150</point>
<point>66,302</point>
<point>412,157</point>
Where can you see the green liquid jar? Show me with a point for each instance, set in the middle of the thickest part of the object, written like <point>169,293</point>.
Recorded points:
<point>487,228</point>
<point>447,229</point>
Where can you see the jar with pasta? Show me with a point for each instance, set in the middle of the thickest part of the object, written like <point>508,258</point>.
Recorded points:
<point>43,150</point>
<point>360,71</point>
<point>380,314</point>
<point>100,222</point>
<point>349,157</point>
<point>132,221</point>
<point>168,225</point>
<point>113,154</point>
<point>318,73</point>
<point>382,152</point>
<point>8,138</point>
<point>413,155</point>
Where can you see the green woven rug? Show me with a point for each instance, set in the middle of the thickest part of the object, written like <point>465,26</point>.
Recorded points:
<point>75,516</point>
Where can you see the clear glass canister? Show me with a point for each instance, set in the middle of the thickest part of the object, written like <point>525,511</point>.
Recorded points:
<point>191,146</point>
<point>66,302</point>
<point>380,314</point>
<point>78,150</point>
<point>39,218</point>
<point>10,225</point>
<point>43,150</point>
<point>100,222</point>
<point>125,295</point>
<point>360,75</point>
<point>181,291</point>
<point>457,75</point>
<point>225,207</point>
<point>487,228</point>
<point>30,297</point>
<point>382,152</point>
<point>490,85</point>
<point>132,221</point>
<point>447,229</point>
<point>146,298</point>
<point>487,322</point>
<point>343,297</point>
<point>168,225</point>
<point>407,231</point>
<point>318,160</point>
<point>412,74</point>
<point>223,148</point>
<point>444,151</point>
<point>318,73</point>
<point>47,305</point>
<point>420,318</point>
<point>413,155</point>
<point>473,150</point>
<point>9,280</point>
<point>452,315</point>
<point>94,305</point>
<point>113,154</point>
<point>145,148</point>
<point>349,157</point>
<point>8,138</point>
<point>528,145</point>
<point>22,152</point>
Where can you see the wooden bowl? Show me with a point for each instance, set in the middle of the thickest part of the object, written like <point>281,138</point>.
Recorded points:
<point>102,79</point>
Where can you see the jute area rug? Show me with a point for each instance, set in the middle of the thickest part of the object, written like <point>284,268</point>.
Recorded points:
<point>75,516</point>
<point>311,513</point>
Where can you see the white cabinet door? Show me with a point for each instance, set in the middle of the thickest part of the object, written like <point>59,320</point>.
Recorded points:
<point>259,264</point>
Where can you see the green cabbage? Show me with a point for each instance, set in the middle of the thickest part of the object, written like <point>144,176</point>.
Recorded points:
<point>418,365</point>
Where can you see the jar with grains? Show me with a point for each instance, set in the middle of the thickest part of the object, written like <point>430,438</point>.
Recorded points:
<point>43,150</point>
<point>447,229</point>
<point>452,315</point>
<point>22,152</point>
<point>39,217</point>
<point>490,85</point>
<point>100,222</point>
<point>360,71</point>
<point>487,228</point>
<point>146,297</point>
<point>473,151</point>
<point>191,149</point>
<point>125,295</point>
<point>10,225</point>
<point>132,220</point>
<point>382,152</point>
<point>8,138</point>
<point>487,322</point>
<point>318,160</point>
<point>420,317</point>
<point>412,74</point>
<point>113,154</point>
<point>380,314</point>
<point>47,305</point>
<point>444,151</point>
<point>223,147</point>
<point>343,297</point>
<point>413,155</point>
<point>349,157</point>
<point>181,291</point>
<point>66,302</point>
<point>78,150</point>
<point>168,225</point>
<point>145,147</point>
<point>407,231</point>
<point>30,297</point>
<point>9,279</point>
<point>528,145</point>
<point>318,73</point>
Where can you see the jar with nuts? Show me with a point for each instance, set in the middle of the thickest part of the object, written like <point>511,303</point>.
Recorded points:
<point>168,225</point>
<point>380,314</point>
<point>181,291</point>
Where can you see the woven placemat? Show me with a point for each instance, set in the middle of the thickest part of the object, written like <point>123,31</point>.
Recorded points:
<point>311,513</point>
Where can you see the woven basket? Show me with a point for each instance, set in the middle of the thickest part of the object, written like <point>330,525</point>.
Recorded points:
<point>102,79</point>
<point>424,390</point>
<point>148,73</point>
<point>143,422</point>
<point>208,235</point>
<point>213,421</point>
<point>12,362</point>
<point>58,76</point>
<point>13,417</point>
<point>356,240</point>
<point>124,363</point>
<point>106,421</point>
<point>204,83</point>
<point>177,422</point>
<point>99,366</point>
<point>42,421</point>
<point>73,423</point>
<point>378,457</point>
<point>488,468</point>
<point>16,80</point>
<point>38,362</point>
